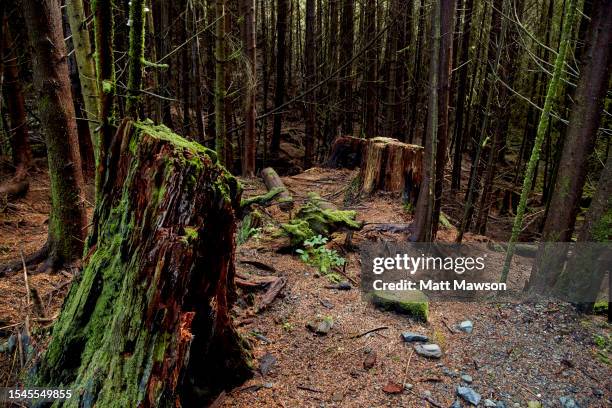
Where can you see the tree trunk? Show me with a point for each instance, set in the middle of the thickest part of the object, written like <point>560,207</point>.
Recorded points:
<point>585,283</point>
<point>310,77</point>
<point>157,282</point>
<point>282,15</point>
<point>87,69</point>
<point>136,58</point>
<point>18,131</point>
<point>67,220</point>
<point>220,80</point>
<point>583,124</point>
<point>447,15</point>
<point>105,69</point>
<point>551,93</point>
<point>461,94</point>
<point>371,61</point>
<point>579,144</point>
<point>424,209</point>
<point>250,147</point>
<point>347,34</point>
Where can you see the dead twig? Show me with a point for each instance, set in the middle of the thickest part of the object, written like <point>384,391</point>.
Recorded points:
<point>307,388</point>
<point>368,332</point>
<point>406,369</point>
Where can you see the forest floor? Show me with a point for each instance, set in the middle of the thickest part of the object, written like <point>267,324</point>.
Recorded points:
<point>517,353</point>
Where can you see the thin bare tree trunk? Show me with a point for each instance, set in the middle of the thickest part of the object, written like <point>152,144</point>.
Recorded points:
<point>67,220</point>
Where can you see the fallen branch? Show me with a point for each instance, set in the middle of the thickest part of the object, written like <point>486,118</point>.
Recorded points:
<point>272,293</point>
<point>368,332</point>
<point>307,388</point>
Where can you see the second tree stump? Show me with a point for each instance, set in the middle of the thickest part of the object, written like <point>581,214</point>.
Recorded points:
<point>392,166</point>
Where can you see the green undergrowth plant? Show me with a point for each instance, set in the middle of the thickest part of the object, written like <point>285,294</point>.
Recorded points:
<point>315,253</point>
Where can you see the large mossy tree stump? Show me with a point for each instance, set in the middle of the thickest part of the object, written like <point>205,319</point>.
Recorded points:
<point>147,322</point>
<point>392,166</point>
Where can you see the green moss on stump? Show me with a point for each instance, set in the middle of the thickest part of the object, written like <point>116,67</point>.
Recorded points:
<point>163,247</point>
<point>411,303</point>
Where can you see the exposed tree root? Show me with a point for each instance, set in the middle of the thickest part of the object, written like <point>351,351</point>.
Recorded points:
<point>15,265</point>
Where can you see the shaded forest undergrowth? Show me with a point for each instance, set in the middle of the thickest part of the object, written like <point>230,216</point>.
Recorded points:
<point>516,353</point>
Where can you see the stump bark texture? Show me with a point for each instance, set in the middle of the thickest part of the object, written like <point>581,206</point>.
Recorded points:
<point>146,323</point>
<point>392,166</point>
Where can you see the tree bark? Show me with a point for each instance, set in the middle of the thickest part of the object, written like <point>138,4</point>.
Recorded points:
<point>67,220</point>
<point>537,146</point>
<point>273,181</point>
<point>250,146</point>
<point>466,32</point>
<point>136,58</point>
<point>18,131</point>
<point>425,203</point>
<point>105,69</point>
<point>579,144</point>
<point>582,282</point>
<point>310,63</point>
<point>392,166</point>
<point>157,282</point>
<point>371,61</point>
<point>87,69</point>
<point>447,15</point>
<point>347,34</point>
<point>583,125</point>
<point>220,80</point>
<point>282,16</point>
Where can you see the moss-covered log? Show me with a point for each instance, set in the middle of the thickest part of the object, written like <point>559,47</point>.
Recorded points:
<point>147,324</point>
<point>393,166</point>
<point>272,182</point>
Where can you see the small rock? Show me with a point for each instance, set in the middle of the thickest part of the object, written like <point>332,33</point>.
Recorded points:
<point>427,394</point>
<point>468,395</point>
<point>327,304</point>
<point>266,364</point>
<point>268,385</point>
<point>322,326</point>
<point>597,392</point>
<point>408,386</point>
<point>428,350</point>
<point>500,404</point>
<point>393,388</point>
<point>261,337</point>
<point>449,372</point>
<point>337,396</point>
<point>370,361</point>
<point>340,286</point>
<point>467,378</point>
<point>567,402</point>
<point>489,403</point>
<point>410,337</point>
<point>466,326</point>
<point>516,405</point>
<point>456,404</point>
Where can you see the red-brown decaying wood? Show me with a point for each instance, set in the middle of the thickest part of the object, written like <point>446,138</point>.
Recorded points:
<point>150,313</point>
<point>392,166</point>
<point>346,152</point>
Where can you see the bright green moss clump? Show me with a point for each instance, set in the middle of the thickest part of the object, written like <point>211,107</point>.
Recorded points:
<point>312,220</point>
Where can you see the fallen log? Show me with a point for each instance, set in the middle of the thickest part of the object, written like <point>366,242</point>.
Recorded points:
<point>272,182</point>
<point>392,166</point>
<point>157,283</point>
